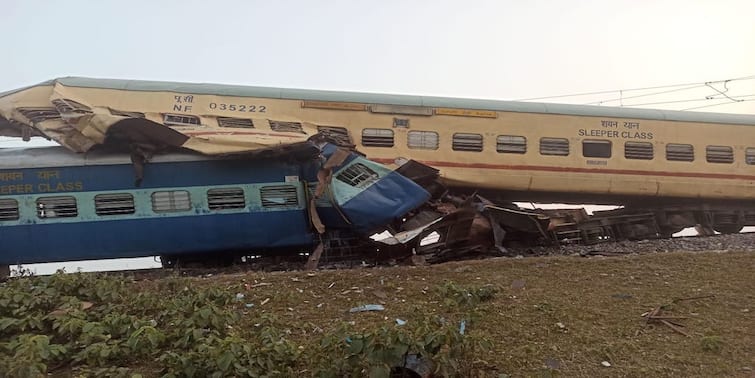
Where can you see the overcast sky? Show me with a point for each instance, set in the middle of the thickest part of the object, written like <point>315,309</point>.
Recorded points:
<point>480,49</point>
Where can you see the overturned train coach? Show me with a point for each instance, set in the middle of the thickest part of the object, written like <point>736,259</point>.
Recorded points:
<point>56,205</point>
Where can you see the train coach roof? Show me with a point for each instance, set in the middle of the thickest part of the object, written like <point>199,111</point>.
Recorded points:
<point>56,156</point>
<point>375,98</point>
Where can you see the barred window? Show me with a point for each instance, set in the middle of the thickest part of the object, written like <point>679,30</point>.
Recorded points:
<point>638,150</point>
<point>511,144</point>
<point>339,135</point>
<point>423,140</point>
<point>467,142</point>
<point>114,204</point>
<point>279,196</point>
<point>719,154</point>
<point>8,209</point>
<point>226,198</point>
<point>750,155</point>
<point>358,175</point>
<point>554,146</point>
<point>170,201</point>
<point>181,120</point>
<point>596,148</point>
<point>680,152</point>
<point>377,137</point>
<point>241,123</point>
<point>288,127</point>
<point>57,207</point>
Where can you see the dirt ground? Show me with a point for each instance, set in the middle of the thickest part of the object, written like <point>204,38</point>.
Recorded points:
<point>551,316</point>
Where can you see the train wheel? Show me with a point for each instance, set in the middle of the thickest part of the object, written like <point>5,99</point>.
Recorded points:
<point>728,228</point>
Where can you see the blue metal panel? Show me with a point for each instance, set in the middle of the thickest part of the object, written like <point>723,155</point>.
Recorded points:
<point>389,198</point>
<point>154,236</point>
<point>156,175</point>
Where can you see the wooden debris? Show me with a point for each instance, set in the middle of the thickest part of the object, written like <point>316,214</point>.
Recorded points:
<point>675,328</point>
<point>655,315</point>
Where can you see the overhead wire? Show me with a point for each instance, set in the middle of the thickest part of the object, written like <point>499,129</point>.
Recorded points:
<point>637,89</point>
<point>676,88</point>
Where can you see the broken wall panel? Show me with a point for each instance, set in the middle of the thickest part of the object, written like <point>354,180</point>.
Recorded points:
<point>79,115</point>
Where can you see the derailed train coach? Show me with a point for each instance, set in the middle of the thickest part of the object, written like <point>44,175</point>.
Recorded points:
<point>56,205</point>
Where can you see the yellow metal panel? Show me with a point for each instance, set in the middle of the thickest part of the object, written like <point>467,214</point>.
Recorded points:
<point>466,112</point>
<point>333,105</point>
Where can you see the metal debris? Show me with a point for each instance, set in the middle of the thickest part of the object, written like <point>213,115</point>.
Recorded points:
<point>368,307</point>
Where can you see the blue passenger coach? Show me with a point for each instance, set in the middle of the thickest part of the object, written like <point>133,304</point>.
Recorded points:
<point>60,206</point>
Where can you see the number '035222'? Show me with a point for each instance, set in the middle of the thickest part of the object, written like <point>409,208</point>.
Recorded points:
<point>238,107</point>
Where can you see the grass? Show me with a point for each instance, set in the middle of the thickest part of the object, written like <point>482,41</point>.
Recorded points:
<point>545,316</point>
<point>579,312</point>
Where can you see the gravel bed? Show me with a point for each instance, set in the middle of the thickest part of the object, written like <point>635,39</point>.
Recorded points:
<point>730,242</point>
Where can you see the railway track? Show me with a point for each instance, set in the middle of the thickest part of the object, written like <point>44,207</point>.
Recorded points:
<point>721,242</point>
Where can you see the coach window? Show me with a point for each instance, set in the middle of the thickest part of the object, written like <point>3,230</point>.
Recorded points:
<point>554,146</point>
<point>171,201</point>
<point>680,152</point>
<point>338,135</point>
<point>57,207</point>
<point>240,123</point>
<point>181,120</point>
<point>279,196</point>
<point>114,204</point>
<point>638,150</point>
<point>377,138</point>
<point>8,209</point>
<point>226,198</point>
<point>358,175</point>
<point>423,140</point>
<point>596,148</point>
<point>719,154</point>
<point>750,155</point>
<point>511,144</point>
<point>287,127</point>
<point>467,142</point>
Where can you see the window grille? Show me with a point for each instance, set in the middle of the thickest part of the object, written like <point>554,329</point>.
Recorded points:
<point>288,127</point>
<point>750,155</point>
<point>339,135</point>
<point>114,204</point>
<point>122,113</point>
<point>8,209</point>
<point>358,175</point>
<point>554,146</point>
<point>171,201</point>
<point>70,106</point>
<point>181,120</point>
<point>39,114</point>
<point>638,150</point>
<point>511,144</point>
<point>241,123</point>
<point>423,140</point>
<point>377,138</point>
<point>680,152</point>
<point>467,142</point>
<point>719,154</point>
<point>226,198</point>
<point>279,196</point>
<point>57,207</point>
<point>596,148</point>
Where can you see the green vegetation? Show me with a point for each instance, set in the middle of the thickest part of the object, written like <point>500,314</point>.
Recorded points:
<point>89,324</point>
<point>545,316</point>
